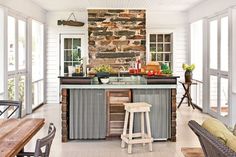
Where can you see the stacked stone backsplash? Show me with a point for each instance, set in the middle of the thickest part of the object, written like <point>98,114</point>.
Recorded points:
<point>116,37</point>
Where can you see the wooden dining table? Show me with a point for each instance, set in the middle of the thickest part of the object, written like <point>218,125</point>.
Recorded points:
<point>16,133</point>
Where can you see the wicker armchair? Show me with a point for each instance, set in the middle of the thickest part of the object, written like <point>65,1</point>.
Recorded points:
<point>210,145</point>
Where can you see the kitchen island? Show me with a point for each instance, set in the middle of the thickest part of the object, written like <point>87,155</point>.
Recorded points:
<point>95,111</point>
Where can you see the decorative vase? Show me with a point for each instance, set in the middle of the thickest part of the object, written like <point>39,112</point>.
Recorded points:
<point>102,75</point>
<point>188,76</point>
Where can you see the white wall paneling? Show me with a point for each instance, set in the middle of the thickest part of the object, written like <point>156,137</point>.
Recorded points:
<point>53,48</point>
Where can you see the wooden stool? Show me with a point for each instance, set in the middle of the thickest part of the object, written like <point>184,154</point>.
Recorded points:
<point>132,108</point>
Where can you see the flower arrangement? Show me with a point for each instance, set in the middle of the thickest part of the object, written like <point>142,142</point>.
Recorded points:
<point>188,71</point>
<point>187,67</point>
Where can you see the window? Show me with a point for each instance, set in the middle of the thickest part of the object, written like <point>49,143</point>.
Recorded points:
<point>21,45</point>
<point>37,63</point>
<point>1,53</point>
<point>197,49</point>
<point>224,42</point>
<point>11,43</point>
<point>161,48</point>
<point>16,63</point>
<point>71,51</point>
<point>219,65</point>
<point>197,59</point>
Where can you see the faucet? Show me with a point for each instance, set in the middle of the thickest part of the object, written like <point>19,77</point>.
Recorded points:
<point>118,77</point>
<point>123,69</point>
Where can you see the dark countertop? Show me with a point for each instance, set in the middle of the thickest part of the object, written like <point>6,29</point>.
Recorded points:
<point>90,80</point>
<point>114,75</point>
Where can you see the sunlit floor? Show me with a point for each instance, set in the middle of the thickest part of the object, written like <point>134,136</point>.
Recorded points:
<point>110,148</point>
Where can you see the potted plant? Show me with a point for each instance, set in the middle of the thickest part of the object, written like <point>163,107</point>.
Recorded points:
<point>103,71</point>
<point>188,71</point>
<point>166,70</point>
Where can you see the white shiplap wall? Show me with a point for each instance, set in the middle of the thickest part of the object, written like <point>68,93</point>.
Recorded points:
<point>53,49</point>
<point>156,22</point>
<point>180,55</point>
<point>176,23</point>
<point>52,69</point>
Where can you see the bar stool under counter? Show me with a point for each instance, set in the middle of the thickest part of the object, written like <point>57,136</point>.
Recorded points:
<point>136,138</point>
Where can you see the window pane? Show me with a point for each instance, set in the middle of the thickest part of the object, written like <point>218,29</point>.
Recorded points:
<point>22,91</point>
<point>76,43</point>
<point>213,45</point>
<point>213,93</point>
<point>224,97</point>
<point>160,38</point>
<point>197,59</point>
<point>197,49</point>
<point>37,63</point>
<point>21,44</point>
<point>153,57</point>
<point>159,57</point>
<point>67,43</point>
<point>167,57</point>
<point>224,52</point>
<point>67,55</point>
<point>152,37</point>
<point>167,37</point>
<point>167,47</point>
<point>160,47</point>
<point>11,43</point>
<point>11,89</point>
<point>37,93</point>
<point>152,47</point>
<point>76,54</point>
<point>37,51</point>
<point>1,51</point>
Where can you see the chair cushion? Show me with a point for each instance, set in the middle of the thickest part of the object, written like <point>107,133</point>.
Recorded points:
<point>217,129</point>
<point>231,143</point>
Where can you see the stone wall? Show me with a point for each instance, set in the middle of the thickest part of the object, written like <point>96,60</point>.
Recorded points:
<point>116,37</point>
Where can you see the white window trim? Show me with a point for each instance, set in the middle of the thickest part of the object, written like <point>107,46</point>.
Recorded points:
<point>83,45</point>
<point>157,31</point>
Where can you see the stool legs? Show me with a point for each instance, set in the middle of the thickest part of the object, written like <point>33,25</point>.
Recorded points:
<point>148,129</point>
<point>142,127</point>
<point>131,138</point>
<point>130,131</point>
<point>125,128</point>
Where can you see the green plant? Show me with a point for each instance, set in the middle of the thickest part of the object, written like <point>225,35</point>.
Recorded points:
<point>103,68</point>
<point>164,67</point>
<point>167,71</point>
<point>187,67</point>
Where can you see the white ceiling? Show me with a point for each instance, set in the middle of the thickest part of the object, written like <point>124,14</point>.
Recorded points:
<point>155,5</point>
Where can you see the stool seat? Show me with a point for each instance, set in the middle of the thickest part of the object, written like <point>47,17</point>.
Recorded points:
<point>136,138</point>
<point>137,107</point>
